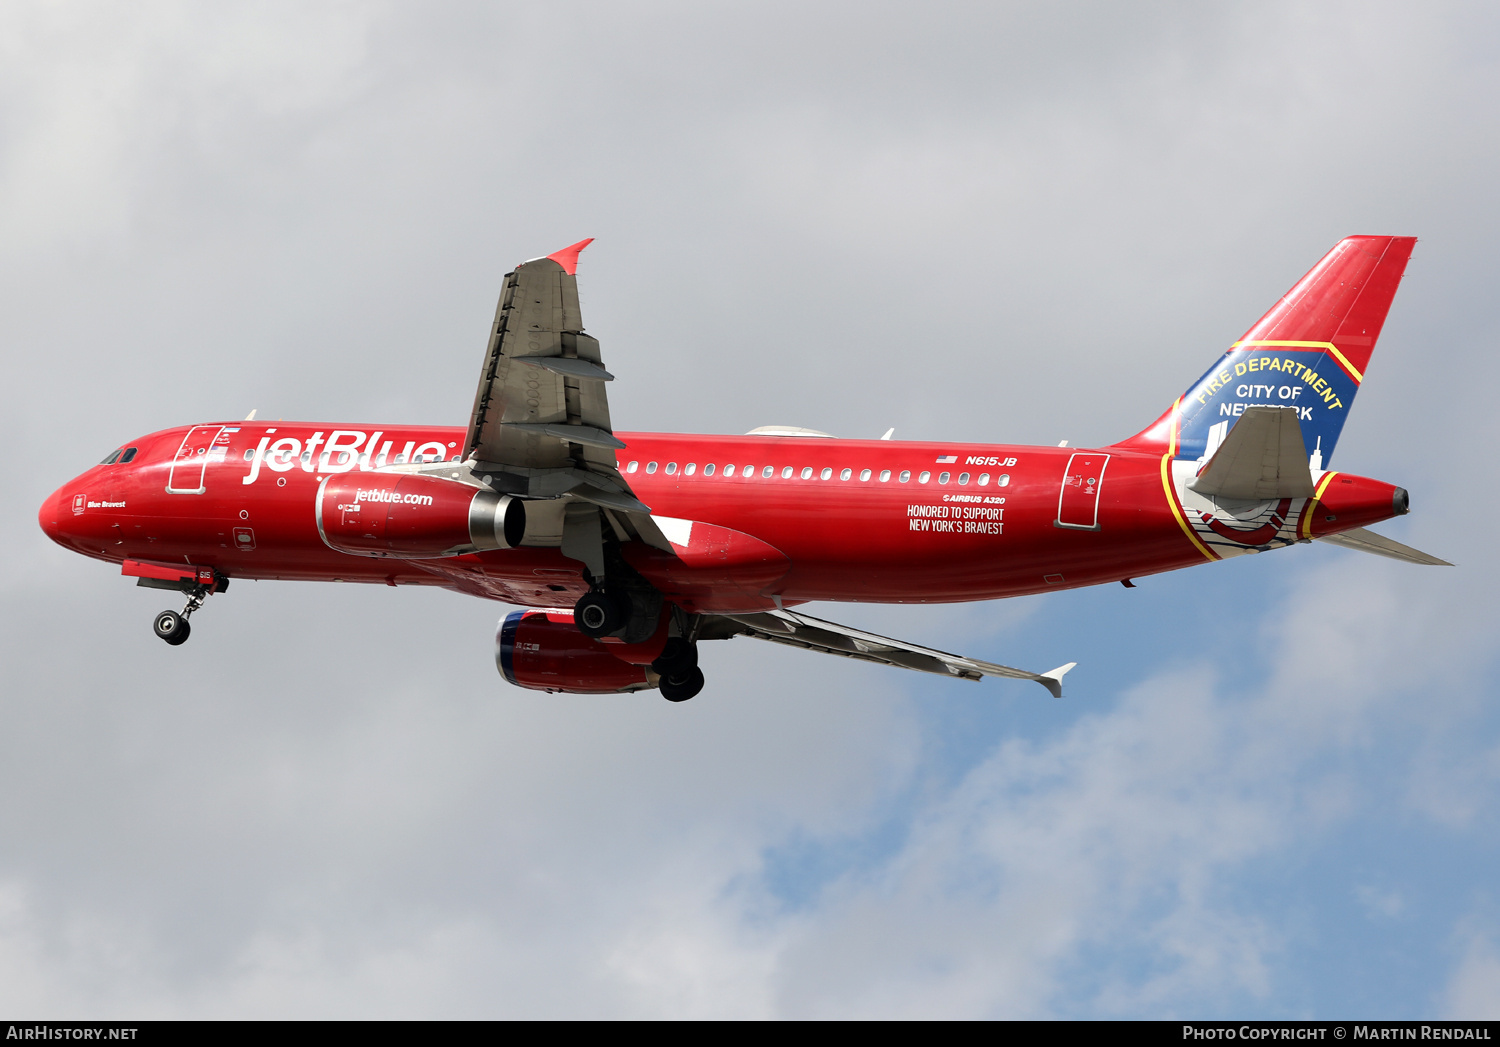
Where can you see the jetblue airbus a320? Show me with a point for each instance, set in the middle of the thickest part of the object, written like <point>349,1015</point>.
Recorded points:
<point>632,548</point>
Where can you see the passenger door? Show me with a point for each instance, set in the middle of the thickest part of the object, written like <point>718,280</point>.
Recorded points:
<point>202,444</point>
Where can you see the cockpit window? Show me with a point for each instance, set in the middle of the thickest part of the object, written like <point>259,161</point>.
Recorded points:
<point>128,455</point>
<point>114,456</point>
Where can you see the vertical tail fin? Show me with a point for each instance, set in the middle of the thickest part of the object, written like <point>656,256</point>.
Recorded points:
<point>1309,352</point>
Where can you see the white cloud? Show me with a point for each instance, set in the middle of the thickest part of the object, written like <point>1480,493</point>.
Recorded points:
<point>1473,991</point>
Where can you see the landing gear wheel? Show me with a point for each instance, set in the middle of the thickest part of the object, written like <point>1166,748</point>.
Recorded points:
<point>172,627</point>
<point>597,615</point>
<point>681,688</point>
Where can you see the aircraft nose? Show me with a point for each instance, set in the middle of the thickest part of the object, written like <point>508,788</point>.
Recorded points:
<point>54,514</point>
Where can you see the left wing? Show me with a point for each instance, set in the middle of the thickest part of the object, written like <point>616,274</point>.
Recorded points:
<point>814,634</point>
<point>540,415</point>
<point>540,426</point>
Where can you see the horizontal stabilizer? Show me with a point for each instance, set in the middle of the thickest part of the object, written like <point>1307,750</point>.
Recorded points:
<point>1263,457</point>
<point>1370,542</point>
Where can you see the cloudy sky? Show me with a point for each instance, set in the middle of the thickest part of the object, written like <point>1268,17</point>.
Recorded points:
<point>1274,787</point>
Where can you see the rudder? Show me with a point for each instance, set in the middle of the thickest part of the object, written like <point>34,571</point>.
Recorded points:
<point>1309,351</point>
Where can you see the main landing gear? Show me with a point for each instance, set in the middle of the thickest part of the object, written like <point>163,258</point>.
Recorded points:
<point>598,613</point>
<point>601,612</point>
<point>677,665</point>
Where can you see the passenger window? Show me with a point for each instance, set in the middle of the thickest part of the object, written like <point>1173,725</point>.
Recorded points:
<point>249,453</point>
<point>728,471</point>
<point>943,477</point>
<point>691,468</point>
<point>401,459</point>
<point>885,474</point>
<point>905,475</point>
<point>708,470</point>
<point>846,474</point>
<point>671,468</point>
<point>632,467</point>
<point>786,473</point>
<point>767,471</point>
<point>963,478</point>
<point>650,467</point>
<point>1002,480</point>
<point>924,476</point>
<point>984,479</point>
<point>749,470</point>
<point>864,474</point>
<point>807,472</point>
<point>128,455</point>
<point>826,473</point>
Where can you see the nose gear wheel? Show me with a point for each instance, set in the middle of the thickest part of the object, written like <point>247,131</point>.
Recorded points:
<point>172,626</point>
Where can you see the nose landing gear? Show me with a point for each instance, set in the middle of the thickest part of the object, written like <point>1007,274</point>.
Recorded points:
<point>199,583</point>
<point>173,627</point>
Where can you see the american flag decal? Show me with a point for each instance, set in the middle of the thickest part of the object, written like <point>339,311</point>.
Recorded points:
<point>947,459</point>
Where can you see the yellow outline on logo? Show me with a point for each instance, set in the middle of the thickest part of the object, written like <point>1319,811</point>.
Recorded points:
<point>1307,515</point>
<point>1166,485</point>
<point>1353,371</point>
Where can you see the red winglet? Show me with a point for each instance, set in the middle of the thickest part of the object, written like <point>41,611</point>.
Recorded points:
<point>568,256</point>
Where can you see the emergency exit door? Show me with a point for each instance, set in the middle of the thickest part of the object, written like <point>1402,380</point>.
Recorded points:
<point>1078,504</point>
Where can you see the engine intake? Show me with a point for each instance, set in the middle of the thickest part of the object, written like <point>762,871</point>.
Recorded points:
<point>544,651</point>
<point>416,517</point>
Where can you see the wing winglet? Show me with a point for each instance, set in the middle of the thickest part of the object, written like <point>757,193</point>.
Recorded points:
<point>1053,680</point>
<point>568,256</point>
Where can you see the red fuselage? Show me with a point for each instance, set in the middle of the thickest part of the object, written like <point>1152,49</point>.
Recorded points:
<point>772,518</point>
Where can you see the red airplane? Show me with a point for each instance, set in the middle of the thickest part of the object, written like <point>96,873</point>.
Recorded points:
<point>633,547</point>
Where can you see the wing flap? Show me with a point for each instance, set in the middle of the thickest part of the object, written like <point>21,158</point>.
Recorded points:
<point>815,634</point>
<point>575,368</point>
<point>573,433</point>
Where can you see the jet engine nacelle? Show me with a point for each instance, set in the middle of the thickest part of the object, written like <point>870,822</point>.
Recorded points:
<point>411,516</point>
<point>544,651</point>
